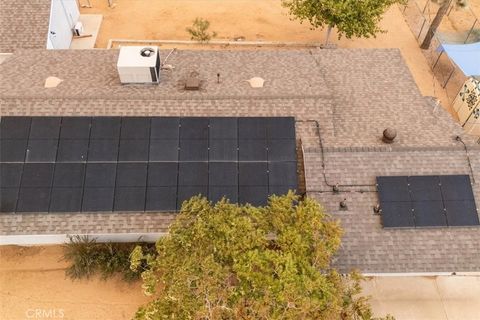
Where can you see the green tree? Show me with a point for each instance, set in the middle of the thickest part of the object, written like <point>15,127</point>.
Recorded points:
<point>442,11</point>
<point>225,261</point>
<point>199,30</point>
<point>352,18</point>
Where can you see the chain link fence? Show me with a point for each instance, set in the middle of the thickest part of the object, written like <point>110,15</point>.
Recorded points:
<point>457,27</point>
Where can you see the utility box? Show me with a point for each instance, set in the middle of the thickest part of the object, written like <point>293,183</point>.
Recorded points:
<point>138,64</point>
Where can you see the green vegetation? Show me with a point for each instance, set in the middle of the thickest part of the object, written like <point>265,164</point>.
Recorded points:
<point>199,30</point>
<point>87,257</point>
<point>226,261</point>
<point>352,18</point>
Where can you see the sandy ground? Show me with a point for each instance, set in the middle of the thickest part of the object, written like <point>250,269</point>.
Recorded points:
<point>254,20</point>
<point>32,280</point>
<point>33,286</point>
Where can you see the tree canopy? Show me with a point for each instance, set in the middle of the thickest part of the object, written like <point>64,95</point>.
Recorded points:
<point>226,261</point>
<point>352,18</point>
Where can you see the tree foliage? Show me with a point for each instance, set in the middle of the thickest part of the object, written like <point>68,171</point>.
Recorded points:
<point>225,261</point>
<point>352,18</point>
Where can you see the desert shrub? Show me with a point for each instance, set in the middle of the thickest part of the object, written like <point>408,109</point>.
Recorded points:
<point>199,30</point>
<point>88,257</point>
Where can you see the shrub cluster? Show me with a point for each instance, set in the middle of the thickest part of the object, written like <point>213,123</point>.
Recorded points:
<point>88,257</point>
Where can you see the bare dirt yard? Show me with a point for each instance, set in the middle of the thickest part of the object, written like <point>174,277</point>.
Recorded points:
<point>254,20</point>
<point>33,285</point>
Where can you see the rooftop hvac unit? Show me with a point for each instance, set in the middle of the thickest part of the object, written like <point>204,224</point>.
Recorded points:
<point>139,64</point>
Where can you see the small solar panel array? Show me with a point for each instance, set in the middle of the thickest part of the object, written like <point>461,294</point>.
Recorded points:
<point>73,164</point>
<point>427,201</point>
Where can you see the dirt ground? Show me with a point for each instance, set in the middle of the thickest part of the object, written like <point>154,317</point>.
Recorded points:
<point>33,286</point>
<point>255,21</point>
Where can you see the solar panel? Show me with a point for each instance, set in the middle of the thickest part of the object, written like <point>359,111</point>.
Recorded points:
<point>281,150</point>
<point>393,188</point>
<point>103,150</point>
<point>254,195</point>
<point>427,201</point>
<point>281,128</point>
<point>194,128</point>
<point>164,150</point>
<point>131,174</point>
<point>282,173</point>
<point>252,174</point>
<point>72,150</point>
<point>73,164</point>
<point>33,199</point>
<point>193,174</point>
<point>162,174</point>
<point>8,200</point>
<point>100,175</point>
<point>105,128</point>
<point>161,198</point>
<point>252,128</point>
<point>133,150</point>
<point>456,188</point>
<point>397,214</point>
<point>69,175</point>
<point>12,150</point>
<point>165,128</point>
<point>252,150</point>
<point>15,127</point>
<point>223,174</point>
<point>186,192</point>
<point>223,128</point>
<point>216,193</point>
<point>223,150</point>
<point>135,128</point>
<point>66,199</point>
<point>97,199</point>
<point>10,174</point>
<point>461,213</point>
<point>429,214</point>
<point>193,150</point>
<point>45,128</point>
<point>75,128</point>
<point>41,150</point>
<point>37,175</point>
<point>129,199</point>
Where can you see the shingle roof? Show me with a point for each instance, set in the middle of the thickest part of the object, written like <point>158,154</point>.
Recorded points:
<point>24,24</point>
<point>352,94</point>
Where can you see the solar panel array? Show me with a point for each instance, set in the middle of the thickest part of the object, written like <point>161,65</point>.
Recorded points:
<point>72,164</point>
<point>427,201</point>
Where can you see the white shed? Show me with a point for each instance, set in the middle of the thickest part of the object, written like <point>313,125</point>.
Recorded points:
<point>64,15</point>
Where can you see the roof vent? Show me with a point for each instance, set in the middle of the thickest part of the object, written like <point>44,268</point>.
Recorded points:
<point>52,82</point>
<point>389,135</point>
<point>256,82</point>
<point>192,82</point>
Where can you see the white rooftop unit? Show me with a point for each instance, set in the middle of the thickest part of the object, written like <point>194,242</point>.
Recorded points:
<point>138,64</point>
